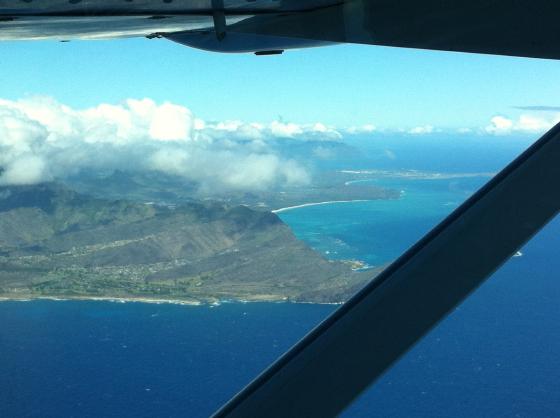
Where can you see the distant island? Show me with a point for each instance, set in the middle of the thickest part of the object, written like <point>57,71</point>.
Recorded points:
<point>55,242</point>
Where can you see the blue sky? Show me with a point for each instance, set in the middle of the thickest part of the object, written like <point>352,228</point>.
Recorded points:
<point>341,86</point>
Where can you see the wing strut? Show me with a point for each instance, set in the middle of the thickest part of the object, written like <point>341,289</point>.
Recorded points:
<point>219,18</point>
<point>352,348</point>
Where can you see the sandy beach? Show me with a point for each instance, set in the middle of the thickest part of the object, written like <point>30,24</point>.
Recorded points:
<point>316,204</point>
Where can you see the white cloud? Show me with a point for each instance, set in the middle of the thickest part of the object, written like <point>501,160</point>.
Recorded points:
<point>24,170</point>
<point>274,130</point>
<point>421,130</point>
<point>285,130</point>
<point>525,123</point>
<point>364,129</point>
<point>171,123</point>
<point>171,161</point>
<point>41,139</point>
<point>499,124</point>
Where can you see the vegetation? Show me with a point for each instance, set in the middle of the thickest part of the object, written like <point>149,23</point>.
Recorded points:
<point>56,242</point>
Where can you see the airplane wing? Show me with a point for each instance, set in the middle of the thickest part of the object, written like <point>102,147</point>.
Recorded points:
<point>504,27</point>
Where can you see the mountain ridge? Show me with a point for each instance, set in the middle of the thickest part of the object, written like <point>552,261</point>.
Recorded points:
<point>60,243</point>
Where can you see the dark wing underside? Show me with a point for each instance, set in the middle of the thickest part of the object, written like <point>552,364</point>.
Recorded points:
<point>503,27</point>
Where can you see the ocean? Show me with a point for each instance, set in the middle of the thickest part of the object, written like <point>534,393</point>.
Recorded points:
<point>495,355</point>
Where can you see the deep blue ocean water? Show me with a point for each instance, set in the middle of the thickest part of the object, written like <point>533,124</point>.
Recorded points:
<point>92,359</point>
<point>496,355</point>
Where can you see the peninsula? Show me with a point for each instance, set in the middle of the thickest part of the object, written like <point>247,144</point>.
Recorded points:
<point>55,242</point>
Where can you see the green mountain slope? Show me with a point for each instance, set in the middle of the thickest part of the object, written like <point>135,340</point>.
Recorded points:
<point>55,242</point>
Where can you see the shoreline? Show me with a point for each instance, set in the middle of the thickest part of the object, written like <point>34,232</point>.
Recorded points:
<point>155,301</point>
<point>287,208</point>
<point>102,299</point>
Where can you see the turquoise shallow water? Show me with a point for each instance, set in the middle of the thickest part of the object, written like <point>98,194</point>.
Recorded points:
<point>378,231</point>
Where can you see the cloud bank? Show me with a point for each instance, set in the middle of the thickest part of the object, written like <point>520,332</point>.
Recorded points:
<point>525,123</point>
<point>42,139</point>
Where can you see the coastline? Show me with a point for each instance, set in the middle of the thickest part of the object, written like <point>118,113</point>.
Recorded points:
<point>287,208</point>
<point>210,303</point>
<point>101,299</point>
